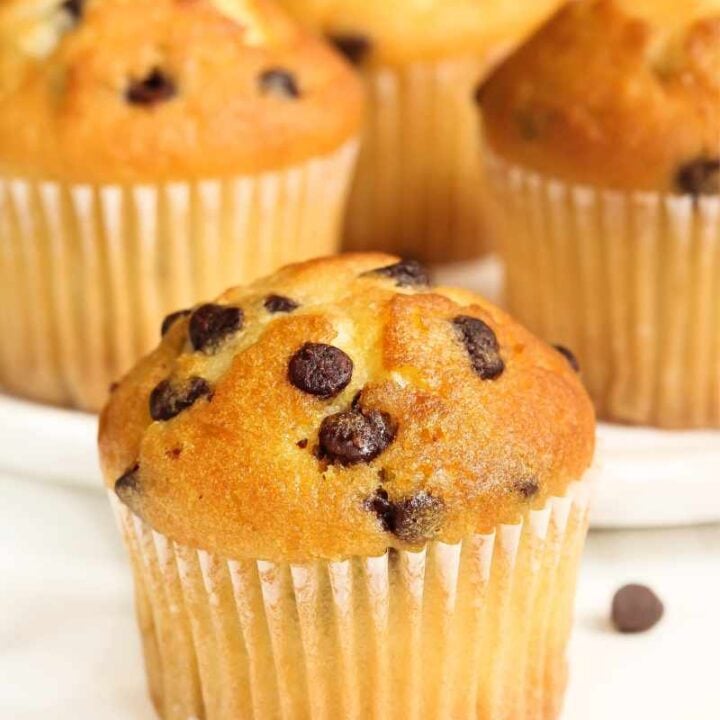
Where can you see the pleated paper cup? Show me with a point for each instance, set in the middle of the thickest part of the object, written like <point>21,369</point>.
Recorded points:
<point>419,176</point>
<point>473,630</point>
<point>88,272</point>
<point>630,281</point>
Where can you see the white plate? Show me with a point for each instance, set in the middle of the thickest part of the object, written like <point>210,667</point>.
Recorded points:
<point>646,477</point>
<point>48,443</point>
<point>656,477</point>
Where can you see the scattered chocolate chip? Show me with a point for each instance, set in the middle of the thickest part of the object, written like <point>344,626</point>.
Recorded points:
<point>636,608</point>
<point>169,321</point>
<point>174,453</point>
<point>74,8</point>
<point>169,399</point>
<point>211,324</point>
<point>113,387</point>
<point>280,304</point>
<point>354,47</point>
<point>406,273</point>
<point>527,487</point>
<point>481,345</point>
<point>280,83</point>
<point>569,356</point>
<point>302,444</point>
<point>699,177</point>
<point>128,483</point>
<point>154,88</point>
<point>320,369</point>
<point>355,436</point>
<point>414,519</point>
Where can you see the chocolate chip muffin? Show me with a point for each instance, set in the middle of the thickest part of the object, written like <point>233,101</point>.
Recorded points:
<point>150,154</point>
<point>416,190</point>
<point>604,138</point>
<point>339,477</point>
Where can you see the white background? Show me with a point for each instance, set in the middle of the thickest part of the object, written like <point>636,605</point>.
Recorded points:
<point>69,650</point>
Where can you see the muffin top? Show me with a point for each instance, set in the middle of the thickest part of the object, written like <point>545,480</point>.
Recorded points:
<point>105,91</point>
<point>400,31</point>
<point>615,93</point>
<point>340,407</point>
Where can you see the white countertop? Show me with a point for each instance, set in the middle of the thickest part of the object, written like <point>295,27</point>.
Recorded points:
<point>69,650</point>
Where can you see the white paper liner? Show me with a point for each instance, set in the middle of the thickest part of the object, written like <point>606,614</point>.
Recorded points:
<point>419,176</point>
<point>476,629</point>
<point>629,281</point>
<point>88,272</point>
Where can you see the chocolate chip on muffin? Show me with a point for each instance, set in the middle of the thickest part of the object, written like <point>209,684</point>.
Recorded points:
<point>380,504</point>
<point>636,608</point>
<point>481,345</point>
<point>154,88</point>
<point>170,398</point>
<point>569,356</point>
<point>279,83</point>
<point>479,92</point>
<point>413,519</point>
<point>280,304</point>
<point>74,8</point>
<point>354,47</point>
<point>128,482</point>
<point>355,436</point>
<point>406,273</point>
<point>170,320</point>
<point>528,487</point>
<point>700,176</point>
<point>321,370</point>
<point>212,324</point>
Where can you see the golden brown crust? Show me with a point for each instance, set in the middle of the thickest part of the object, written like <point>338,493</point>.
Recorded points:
<point>616,94</point>
<point>403,31</point>
<point>65,84</point>
<point>232,474</point>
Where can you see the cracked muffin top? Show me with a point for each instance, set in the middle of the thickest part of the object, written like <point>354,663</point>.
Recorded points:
<point>615,93</point>
<point>133,91</point>
<point>340,407</point>
<point>382,32</point>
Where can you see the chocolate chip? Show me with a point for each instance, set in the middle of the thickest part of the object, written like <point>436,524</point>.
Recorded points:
<point>480,90</point>
<point>636,608</point>
<point>169,321</point>
<point>280,304</point>
<point>74,8</point>
<point>211,324</point>
<point>699,177</point>
<point>128,483</point>
<point>320,369</point>
<point>154,88</point>
<point>413,519</point>
<point>355,436</point>
<point>113,386</point>
<point>406,273</point>
<point>380,504</point>
<point>481,345</point>
<point>527,487</point>
<point>569,356</point>
<point>302,444</point>
<point>354,47</point>
<point>169,399</point>
<point>279,83</point>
